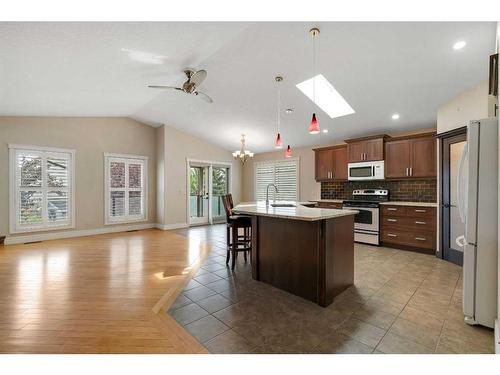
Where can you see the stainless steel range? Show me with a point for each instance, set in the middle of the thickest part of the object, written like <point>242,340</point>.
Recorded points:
<point>366,222</point>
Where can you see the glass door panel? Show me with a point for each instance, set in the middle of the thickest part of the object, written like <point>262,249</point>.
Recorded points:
<point>220,187</point>
<point>198,194</point>
<point>457,227</point>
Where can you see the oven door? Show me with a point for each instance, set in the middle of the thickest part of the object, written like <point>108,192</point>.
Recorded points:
<point>367,219</point>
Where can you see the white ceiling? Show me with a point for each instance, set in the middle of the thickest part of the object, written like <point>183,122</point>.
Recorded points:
<point>80,69</point>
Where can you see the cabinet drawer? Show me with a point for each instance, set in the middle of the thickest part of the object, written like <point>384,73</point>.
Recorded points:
<point>424,212</point>
<point>393,210</point>
<point>421,239</point>
<point>409,223</point>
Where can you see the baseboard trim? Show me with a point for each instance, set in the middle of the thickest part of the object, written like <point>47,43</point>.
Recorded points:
<point>497,336</point>
<point>12,240</point>
<point>172,226</point>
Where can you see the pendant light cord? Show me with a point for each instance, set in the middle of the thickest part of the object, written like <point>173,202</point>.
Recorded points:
<point>278,109</point>
<point>314,67</point>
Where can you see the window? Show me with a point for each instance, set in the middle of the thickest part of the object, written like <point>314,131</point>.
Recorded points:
<point>284,174</point>
<point>125,188</point>
<point>41,188</point>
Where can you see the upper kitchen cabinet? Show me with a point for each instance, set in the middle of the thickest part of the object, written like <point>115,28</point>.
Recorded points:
<point>331,163</point>
<point>411,157</point>
<point>366,149</point>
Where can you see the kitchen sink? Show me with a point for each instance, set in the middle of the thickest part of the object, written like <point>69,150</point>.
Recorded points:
<point>282,205</point>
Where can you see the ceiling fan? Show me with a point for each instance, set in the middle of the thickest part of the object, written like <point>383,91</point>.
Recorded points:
<point>194,79</point>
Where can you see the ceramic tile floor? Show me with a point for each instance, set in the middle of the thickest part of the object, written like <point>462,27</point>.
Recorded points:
<point>401,302</point>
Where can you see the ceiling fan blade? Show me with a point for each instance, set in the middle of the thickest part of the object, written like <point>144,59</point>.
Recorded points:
<point>198,77</point>
<point>164,87</point>
<point>204,96</point>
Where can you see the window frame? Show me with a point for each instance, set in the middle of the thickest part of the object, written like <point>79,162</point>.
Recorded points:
<point>14,188</point>
<point>108,220</point>
<point>273,163</point>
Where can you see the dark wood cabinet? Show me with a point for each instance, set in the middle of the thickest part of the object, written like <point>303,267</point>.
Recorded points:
<point>335,205</point>
<point>366,149</point>
<point>356,152</point>
<point>324,164</point>
<point>411,157</point>
<point>331,163</point>
<point>423,163</point>
<point>410,226</point>
<point>397,158</point>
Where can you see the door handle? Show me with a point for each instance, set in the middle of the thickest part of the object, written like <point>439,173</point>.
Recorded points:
<point>411,171</point>
<point>406,172</point>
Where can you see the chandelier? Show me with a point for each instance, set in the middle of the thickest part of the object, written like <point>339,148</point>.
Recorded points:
<point>243,155</point>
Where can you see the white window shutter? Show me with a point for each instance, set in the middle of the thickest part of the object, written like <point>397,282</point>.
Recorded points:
<point>284,174</point>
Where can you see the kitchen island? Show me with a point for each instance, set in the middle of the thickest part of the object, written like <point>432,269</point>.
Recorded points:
<point>306,251</point>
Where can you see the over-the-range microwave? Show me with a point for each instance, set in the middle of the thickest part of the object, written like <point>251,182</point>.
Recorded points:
<point>366,170</point>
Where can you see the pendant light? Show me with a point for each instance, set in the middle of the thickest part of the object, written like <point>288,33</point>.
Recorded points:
<point>288,152</point>
<point>278,144</point>
<point>314,126</point>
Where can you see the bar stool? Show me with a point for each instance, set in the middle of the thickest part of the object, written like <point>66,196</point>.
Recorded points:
<point>236,242</point>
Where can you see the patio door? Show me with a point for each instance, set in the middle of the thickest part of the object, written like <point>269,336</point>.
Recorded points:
<point>207,183</point>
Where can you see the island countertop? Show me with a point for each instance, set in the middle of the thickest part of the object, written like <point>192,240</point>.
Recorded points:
<point>298,212</point>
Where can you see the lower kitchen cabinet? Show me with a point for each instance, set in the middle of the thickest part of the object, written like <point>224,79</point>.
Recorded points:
<point>409,226</point>
<point>336,205</point>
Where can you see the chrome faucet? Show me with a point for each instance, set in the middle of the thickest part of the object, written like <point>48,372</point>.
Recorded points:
<point>267,193</point>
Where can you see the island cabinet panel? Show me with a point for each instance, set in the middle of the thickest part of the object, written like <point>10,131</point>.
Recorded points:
<point>412,157</point>
<point>331,163</point>
<point>311,259</point>
<point>410,226</point>
<point>366,149</point>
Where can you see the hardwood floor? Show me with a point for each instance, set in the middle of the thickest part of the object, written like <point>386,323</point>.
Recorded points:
<point>99,294</point>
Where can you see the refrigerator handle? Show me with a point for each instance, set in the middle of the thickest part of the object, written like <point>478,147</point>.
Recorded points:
<point>460,194</point>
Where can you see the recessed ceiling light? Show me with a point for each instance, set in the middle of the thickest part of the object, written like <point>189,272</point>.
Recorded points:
<point>145,57</point>
<point>325,130</point>
<point>289,110</point>
<point>459,45</point>
<point>395,116</point>
<point>327,98</point>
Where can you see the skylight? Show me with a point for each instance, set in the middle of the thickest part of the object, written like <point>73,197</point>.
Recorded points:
<point>327,98</point>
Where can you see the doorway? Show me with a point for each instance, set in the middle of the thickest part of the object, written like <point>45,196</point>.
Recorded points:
<point>207,183</point>
<point>452,227</point>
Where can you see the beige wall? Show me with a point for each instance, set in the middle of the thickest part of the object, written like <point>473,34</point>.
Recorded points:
<point>470,105</point>
<point>308,187</point>
<point>179,146</point>
<point>91,138</point>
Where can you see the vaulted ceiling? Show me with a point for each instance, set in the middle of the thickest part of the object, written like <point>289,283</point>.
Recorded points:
<point>86,69</point>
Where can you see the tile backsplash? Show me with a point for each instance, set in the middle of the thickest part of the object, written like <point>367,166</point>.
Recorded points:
<point>399,190</point>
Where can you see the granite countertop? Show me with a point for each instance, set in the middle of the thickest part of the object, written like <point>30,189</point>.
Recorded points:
<point>393,203</point>
<point>418,204</point>
<point>298,212</point>
<point>327,200</point>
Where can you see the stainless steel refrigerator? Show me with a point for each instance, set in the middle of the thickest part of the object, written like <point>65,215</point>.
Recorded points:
<point>478,207</point>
